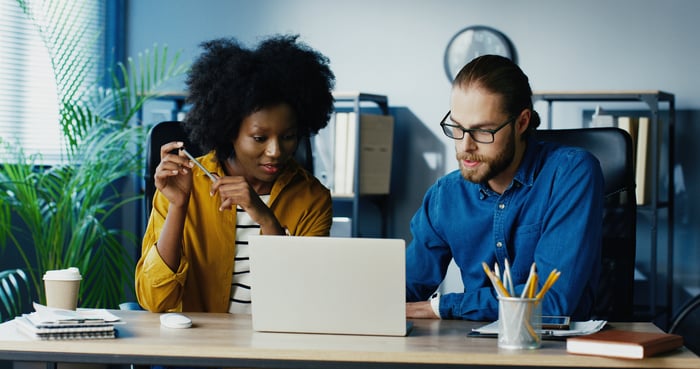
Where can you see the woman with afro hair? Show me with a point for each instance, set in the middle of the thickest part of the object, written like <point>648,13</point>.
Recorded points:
<point>249,108</point>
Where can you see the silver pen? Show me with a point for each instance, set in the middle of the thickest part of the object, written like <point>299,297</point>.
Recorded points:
<point>208,173</point>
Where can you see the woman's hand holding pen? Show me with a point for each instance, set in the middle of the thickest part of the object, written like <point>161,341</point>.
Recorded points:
<point>236,191</point>
<point>173,176</point>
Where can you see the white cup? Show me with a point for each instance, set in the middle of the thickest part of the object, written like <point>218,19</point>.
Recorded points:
<point>61,287</point>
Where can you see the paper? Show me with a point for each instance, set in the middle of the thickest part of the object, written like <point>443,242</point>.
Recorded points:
<point>576,329</point>
<point>45,315</point>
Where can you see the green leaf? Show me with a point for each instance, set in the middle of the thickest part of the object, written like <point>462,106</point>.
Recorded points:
<point>14,294</point>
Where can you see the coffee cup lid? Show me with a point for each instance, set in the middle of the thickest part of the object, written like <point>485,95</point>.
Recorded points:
<point>69,274</point>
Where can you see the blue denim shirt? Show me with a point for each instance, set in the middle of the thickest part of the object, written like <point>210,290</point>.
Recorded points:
<point>551,214</point>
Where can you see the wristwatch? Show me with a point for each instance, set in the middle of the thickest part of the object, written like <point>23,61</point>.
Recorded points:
<point>435,304</point>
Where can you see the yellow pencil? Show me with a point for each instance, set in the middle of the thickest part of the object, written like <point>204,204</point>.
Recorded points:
<point>500,289</point>
<point>528,282</point>
<point>533,286</point>
<point>553,276</point>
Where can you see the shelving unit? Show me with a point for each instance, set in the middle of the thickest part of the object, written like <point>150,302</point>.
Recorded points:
<point>357,102</point>
<point>176,98</point>
<point>653,99</point>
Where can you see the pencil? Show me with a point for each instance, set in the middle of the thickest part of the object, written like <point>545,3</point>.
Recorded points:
<point>553,276</point>
<point>526,288</point>
<point>500,290</point>
<point>533,286</point>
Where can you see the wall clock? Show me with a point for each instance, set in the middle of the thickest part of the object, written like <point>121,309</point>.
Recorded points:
<point>474,41</point>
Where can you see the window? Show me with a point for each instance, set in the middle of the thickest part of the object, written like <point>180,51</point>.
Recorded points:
<point>29,100</point>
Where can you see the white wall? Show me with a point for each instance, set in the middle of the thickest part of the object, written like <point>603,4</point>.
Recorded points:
<point>395,47</point>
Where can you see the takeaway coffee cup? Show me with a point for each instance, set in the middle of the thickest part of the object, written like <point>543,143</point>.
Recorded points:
<point>61,287</point>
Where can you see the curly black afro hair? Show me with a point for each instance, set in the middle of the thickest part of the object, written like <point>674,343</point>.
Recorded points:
<point>229,82</point>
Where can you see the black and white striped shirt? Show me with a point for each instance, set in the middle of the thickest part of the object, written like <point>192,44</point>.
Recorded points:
<point>240,282</point>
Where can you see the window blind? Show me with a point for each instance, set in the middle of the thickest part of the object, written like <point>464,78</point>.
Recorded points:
<point>29,100</point>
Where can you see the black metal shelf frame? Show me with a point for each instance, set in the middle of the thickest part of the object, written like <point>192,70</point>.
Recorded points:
<point>653,100</point>
<point>356,101</point>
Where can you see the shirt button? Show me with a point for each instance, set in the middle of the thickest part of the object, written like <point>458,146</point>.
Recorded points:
<point>499,244</point>
<point>501,206</point>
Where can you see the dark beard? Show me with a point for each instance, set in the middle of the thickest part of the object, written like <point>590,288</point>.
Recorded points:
<point>494,166</point>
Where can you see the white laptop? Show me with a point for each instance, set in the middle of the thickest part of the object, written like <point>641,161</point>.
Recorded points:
<point>334,285</point>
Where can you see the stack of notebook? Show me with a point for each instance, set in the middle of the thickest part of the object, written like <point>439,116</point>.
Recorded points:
<point>56,324</point>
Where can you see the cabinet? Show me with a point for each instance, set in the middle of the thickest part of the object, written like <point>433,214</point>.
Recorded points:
<point>356,204</point>
<point>653,101</point>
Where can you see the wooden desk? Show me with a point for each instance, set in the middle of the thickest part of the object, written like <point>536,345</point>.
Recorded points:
<point>226,340</point>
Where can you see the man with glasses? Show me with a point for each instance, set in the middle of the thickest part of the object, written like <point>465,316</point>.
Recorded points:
<point>513,201</point>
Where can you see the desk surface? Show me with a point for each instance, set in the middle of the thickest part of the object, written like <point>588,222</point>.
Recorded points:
<point>228,340</point>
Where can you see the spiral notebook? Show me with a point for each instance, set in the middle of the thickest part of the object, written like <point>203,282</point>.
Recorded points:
<point>71,332</point>
<point>328,285</point>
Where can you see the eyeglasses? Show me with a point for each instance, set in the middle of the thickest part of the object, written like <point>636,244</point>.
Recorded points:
<point>485,136</point>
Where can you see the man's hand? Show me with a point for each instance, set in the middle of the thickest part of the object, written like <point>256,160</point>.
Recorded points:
<point>420,310</point>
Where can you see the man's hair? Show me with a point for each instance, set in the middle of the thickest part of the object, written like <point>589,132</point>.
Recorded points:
<point>501,76</point>
<point>228,82</point>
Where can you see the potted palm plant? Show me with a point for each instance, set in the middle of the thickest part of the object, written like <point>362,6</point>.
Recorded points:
<point>61,213</point>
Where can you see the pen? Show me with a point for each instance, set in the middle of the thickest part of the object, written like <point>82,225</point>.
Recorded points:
<point>507,278</point>
<point>208,173</point>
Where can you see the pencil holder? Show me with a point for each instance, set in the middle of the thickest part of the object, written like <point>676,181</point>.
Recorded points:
<point>519,323</point>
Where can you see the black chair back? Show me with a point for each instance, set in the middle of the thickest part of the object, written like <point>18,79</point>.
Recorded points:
<point>614,150</point>
<point>687,324</point>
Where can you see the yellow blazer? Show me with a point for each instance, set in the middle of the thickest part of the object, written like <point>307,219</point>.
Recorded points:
<point>203,280</point>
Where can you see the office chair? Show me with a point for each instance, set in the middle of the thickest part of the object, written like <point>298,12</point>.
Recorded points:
<point>614,150</point>
<point>687,324</point>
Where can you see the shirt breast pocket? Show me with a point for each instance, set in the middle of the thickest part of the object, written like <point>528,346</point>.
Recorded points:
<point>526,236</point>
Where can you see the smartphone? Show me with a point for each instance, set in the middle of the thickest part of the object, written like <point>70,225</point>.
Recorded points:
<point>555,322</point>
